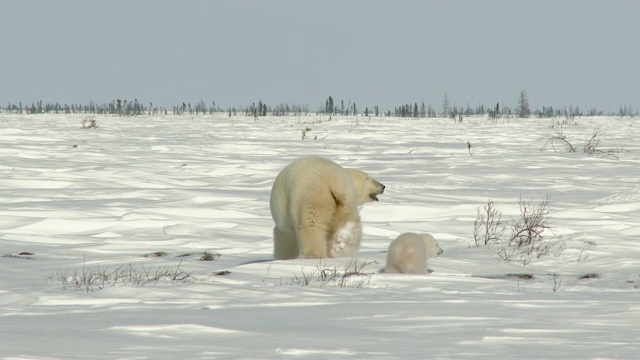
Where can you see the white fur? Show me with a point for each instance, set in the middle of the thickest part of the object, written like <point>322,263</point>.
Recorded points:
<point>314,205</point>
<point>345,241</point>
<point>409,252</point>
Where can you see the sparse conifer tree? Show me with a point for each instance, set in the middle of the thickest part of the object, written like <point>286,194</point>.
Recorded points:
<point>328,109</point>
<point>523,105</point>
<point>445,105</point>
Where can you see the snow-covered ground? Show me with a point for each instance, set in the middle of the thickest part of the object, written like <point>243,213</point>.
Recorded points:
<point>110,201</point>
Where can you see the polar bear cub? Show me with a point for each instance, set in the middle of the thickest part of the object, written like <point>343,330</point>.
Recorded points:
<point>314,205</point>
<point>409,252</point>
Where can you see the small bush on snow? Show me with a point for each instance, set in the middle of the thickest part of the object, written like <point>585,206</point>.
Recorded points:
<point>527,234</point>
<point>89,123</point>
<point>348,275</point>
<point>91,279</point>
<point>591,148</point>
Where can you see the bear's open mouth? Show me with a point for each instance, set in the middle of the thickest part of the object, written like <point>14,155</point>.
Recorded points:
<point>374,196</point>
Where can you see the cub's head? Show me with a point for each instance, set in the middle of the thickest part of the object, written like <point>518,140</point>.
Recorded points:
<point>368,187</point>
<point>431,246</point>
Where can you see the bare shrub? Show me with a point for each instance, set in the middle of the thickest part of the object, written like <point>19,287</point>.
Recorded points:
<point>559,137</point>
<point>530,235</point>
<point>89,123</point>
<point>532,224</point>
<point>348,275</point>
<point>488,226</point>
<point>304,132</point>
<point>91,279</point>
<point>557,281</point>
<point>564,122</point>
<point>591,148</point>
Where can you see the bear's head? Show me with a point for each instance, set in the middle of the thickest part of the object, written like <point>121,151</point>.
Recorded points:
<point>368,187</point>
<point>431,245</point>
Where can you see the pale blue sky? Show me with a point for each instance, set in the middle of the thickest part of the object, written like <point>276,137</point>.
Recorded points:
<point>384,53</point>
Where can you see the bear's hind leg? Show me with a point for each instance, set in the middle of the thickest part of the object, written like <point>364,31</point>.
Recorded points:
<point>285,246</point>
<point>313,242</point>
<point>417,267</point>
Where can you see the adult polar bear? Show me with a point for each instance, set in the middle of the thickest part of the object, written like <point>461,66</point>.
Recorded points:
<point>314,204</point>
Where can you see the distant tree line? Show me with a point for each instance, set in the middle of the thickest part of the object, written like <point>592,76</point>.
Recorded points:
<point>330,106</point>
<point>116,107</point>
